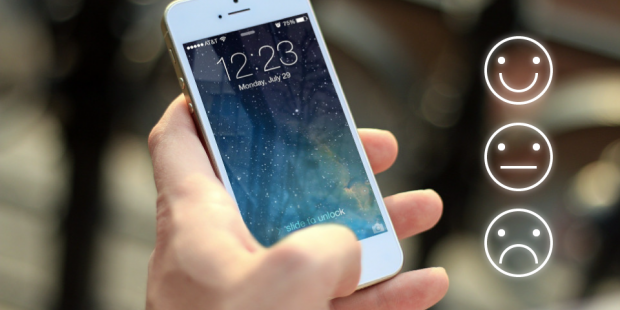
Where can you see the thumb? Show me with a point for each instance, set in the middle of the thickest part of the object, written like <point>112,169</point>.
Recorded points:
<point>175,148</point>
<point>329,255</point>
<point>189,191</point>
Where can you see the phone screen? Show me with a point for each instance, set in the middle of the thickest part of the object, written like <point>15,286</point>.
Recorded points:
<point>281,131</point>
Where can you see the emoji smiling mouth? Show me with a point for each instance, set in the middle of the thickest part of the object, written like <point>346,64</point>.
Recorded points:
<point>501,77</point>
<point>501,258</point>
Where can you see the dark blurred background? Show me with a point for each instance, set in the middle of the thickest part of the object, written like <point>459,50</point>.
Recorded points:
<point>83,82</point>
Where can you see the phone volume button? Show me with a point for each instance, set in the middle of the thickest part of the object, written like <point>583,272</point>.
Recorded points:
<point>174,60</point>
<point>182,83</point>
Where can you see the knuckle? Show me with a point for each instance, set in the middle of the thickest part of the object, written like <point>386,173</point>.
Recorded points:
<point>291,257</point>
<point>189,187</point>
<point>184,191</point>
<point>164,220</point>
<point>197,188</point>
<point>170,207</point>
<point>176,203</point>
<point>155,137</point>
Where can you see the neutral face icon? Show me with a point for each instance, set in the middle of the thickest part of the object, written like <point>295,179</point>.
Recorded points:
<point>518,157</point>
<point>518,242</point>
<point>518,70</point>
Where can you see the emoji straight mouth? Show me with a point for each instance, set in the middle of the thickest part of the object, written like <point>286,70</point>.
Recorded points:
<point>501,77</point>
<point>518,167</point>
<point>501,258</point>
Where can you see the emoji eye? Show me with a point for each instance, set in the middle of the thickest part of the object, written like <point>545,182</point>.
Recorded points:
<point>501,232</point>
<point>536,147</point>
<point>501,146</point>
<point>536,232</point>
<point>501,60</point>
<point>536,60</point>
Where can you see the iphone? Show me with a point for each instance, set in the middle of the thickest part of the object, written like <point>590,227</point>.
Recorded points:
<point>262,89</point>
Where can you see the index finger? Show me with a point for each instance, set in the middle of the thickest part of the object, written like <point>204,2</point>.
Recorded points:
<point>189,191</point>
<point>381,148</point>
<point>175,147</point>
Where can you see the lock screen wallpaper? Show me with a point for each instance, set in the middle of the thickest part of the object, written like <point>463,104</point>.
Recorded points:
<point>281,131</point>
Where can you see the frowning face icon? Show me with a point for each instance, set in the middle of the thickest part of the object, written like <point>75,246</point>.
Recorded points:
<point>518,70</point>
<point>518,242</point>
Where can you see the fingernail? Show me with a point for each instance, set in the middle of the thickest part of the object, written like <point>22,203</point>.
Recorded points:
<point>439,269</point>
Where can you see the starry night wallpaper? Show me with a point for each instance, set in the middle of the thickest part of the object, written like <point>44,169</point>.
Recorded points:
<point>281,131</point>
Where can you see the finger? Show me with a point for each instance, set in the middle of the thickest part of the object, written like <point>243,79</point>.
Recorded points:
<point>414,212</point>
<point>189,191</point>
<point>175,148</point>
<point>381,148</point>
<point>324,256</point>
<point>414,290</point>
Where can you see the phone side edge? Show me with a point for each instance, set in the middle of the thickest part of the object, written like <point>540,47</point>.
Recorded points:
<point>187,93</point>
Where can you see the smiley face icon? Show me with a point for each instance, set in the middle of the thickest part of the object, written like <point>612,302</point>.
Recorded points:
<point>518,157</point>
<point>518,243</point>
<point>518,70</point>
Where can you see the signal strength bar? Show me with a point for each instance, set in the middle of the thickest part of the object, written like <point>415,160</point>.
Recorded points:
<point>197,45</point>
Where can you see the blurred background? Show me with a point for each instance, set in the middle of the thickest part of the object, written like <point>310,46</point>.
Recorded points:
<point>83,82</point>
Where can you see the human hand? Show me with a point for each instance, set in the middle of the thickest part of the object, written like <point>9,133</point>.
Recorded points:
<point>205,257</point>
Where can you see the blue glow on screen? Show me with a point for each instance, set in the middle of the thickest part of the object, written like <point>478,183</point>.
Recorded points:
<point>281,131</point>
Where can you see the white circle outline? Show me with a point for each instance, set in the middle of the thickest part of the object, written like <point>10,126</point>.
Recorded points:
<point>521,275</point>
<point>486,161</point>
<point>486,66</point>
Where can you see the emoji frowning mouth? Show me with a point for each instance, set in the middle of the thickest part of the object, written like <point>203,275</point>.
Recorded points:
<point>508,228</point>
<point>501,77</point>
<point>501,258</point>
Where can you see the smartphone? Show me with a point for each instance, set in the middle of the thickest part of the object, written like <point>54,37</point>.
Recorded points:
<point>264,93</point>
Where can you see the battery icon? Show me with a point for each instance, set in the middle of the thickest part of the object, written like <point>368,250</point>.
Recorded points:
<point>301,19</point>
